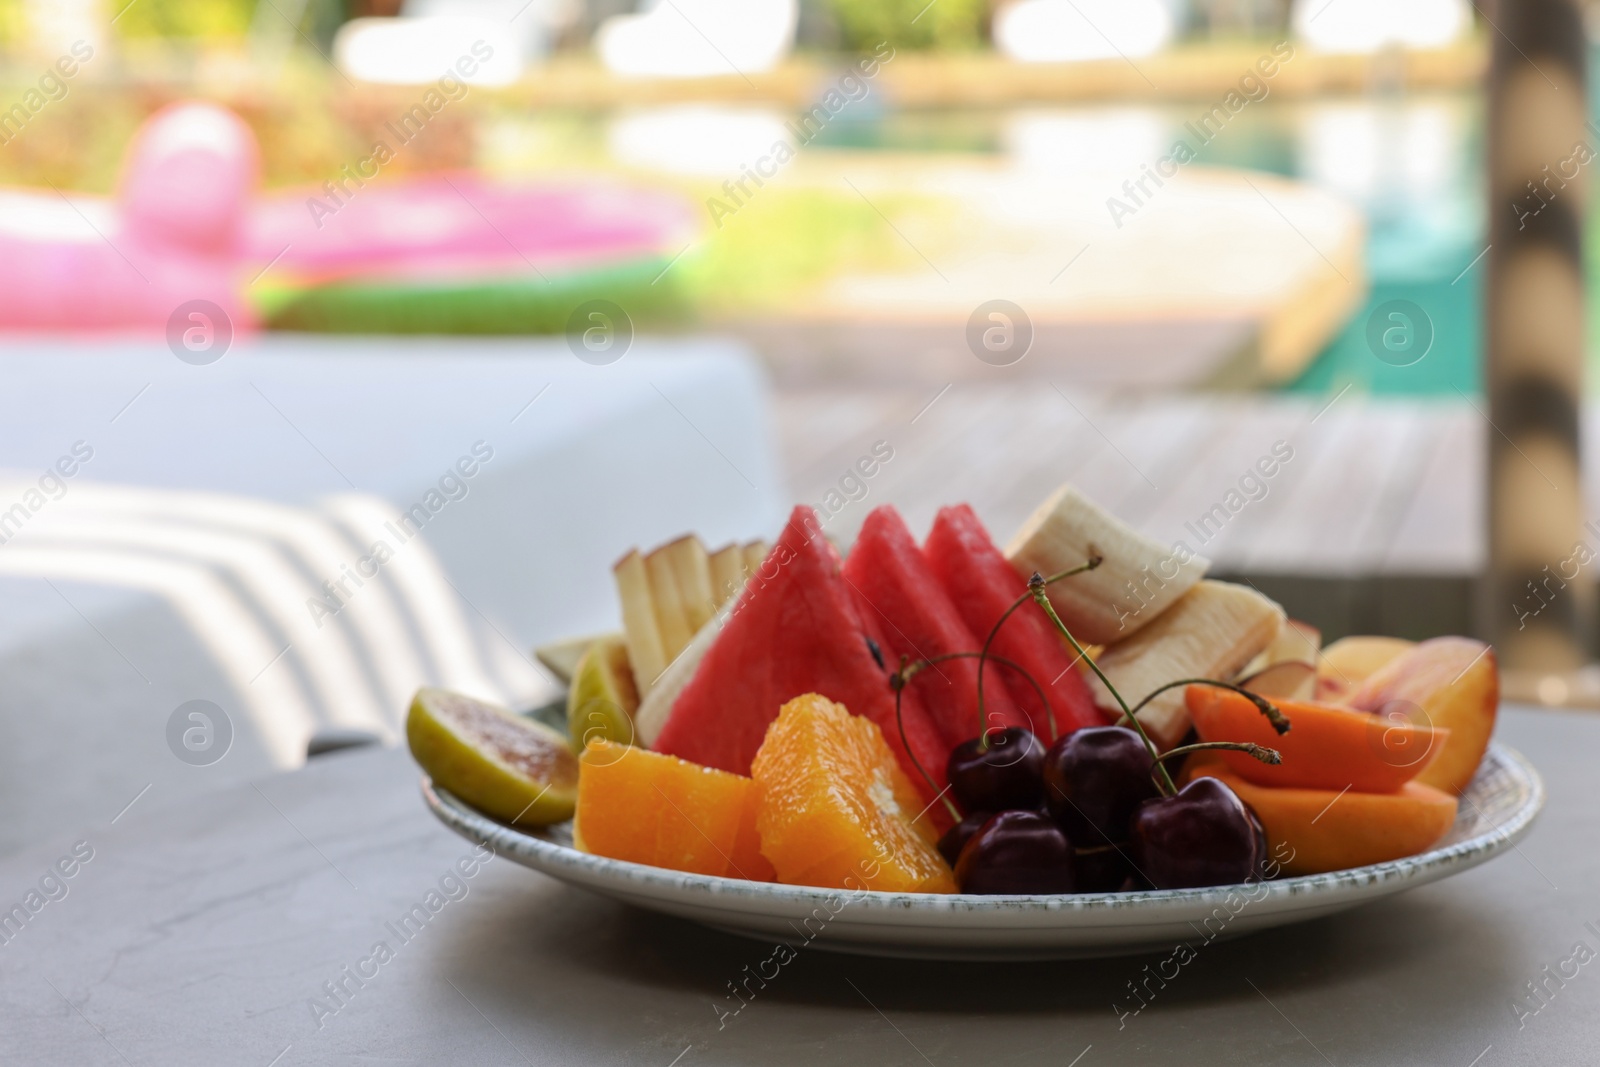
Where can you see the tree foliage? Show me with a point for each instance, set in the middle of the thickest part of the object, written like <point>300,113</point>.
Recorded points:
<point>915,24</point>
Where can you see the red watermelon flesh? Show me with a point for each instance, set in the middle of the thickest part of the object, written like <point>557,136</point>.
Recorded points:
<point>983,585</point>
<point>893,579</point>
<point>797,628</point>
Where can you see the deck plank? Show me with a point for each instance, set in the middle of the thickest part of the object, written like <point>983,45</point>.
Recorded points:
<point>1244,432</point>
<point>1330,524</point>
<point>1441,532</point>
<point>997,458</point>
<point>1376,487</point>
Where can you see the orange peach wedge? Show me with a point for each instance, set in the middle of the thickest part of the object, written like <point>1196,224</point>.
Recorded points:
<point>1327,747</point>
<point>1318,830</point>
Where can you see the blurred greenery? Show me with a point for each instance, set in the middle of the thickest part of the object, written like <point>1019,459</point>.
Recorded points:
<point>773,255</point>
<point>207,20</point>
<point>204,20</point>
<point>779,245</point>
<point>308,123</point>
<point>510,304</point>
<point>862,24</point>
<point>12,25</point>
<point>949,24</point>
<point>80,147</point>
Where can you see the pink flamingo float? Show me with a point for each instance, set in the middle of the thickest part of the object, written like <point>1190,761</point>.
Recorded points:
<point>187,224</point>
<point>171,235</point>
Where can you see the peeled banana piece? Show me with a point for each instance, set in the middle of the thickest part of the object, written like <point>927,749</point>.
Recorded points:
<point>1212,631</point>
<point>1137,580</point>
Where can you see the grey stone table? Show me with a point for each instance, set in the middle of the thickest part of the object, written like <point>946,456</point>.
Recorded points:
<point>237,931</point>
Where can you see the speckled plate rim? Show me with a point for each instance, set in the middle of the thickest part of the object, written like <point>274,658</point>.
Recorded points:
<point>1320,891</point>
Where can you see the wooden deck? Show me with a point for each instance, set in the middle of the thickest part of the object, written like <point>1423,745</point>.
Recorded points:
<point>1374,524</point>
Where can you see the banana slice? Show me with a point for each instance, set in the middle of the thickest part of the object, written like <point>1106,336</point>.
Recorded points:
<point>646,650</point>
<point>673,604</point>
<point>1211,632</point>
<point>727,573</point>
<point>755,554</point>
<point>657,704</point>
<point>690,567</point>
<point>1137,580</point>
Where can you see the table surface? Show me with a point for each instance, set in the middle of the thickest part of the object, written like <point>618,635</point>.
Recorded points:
<point>205,933</point>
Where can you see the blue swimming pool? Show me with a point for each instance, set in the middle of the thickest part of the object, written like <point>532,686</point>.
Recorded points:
<point>1411,163</point>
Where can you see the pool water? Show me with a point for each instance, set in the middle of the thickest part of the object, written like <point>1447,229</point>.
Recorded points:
<point>1412,163</point>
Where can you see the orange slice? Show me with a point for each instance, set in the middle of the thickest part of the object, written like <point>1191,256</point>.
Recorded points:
<point>835,808</point>
<point>647,807</point>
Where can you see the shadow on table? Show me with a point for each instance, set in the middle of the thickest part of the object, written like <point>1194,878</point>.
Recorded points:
<point>614,947</point>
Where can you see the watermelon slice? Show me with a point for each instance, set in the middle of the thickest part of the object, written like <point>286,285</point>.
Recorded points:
<point>983,585</point>
<point>893,579</point>
<point>797,628</point>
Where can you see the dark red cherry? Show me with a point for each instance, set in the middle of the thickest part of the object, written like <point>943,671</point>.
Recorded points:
<point>956,838</point>
<point>1203,836</point>
<point>1016,852</point>
<point>1100,870</point>
<point>1094,780</point>
<point>998,772</point>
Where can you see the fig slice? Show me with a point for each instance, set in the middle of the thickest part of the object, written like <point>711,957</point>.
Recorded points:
<point>512,768</point>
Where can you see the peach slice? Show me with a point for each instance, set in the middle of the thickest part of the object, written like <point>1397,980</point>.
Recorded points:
<point>1310,831</point>
<point>1453,682</point>
<point>1349,661</point>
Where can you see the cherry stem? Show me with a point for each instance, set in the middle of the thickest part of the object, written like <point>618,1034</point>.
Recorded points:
<point>1036,586</point>
<point>909,670</point>
<point>1049,712</point>
<point>983,657</point>
<point>1279,722</point>
<point>1260,752</point>
<point>897,682</point>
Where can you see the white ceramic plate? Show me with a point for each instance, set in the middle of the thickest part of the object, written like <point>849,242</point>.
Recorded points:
<point>1494,814</point>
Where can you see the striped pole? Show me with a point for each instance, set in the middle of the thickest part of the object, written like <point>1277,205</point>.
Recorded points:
<point>1540,151</point>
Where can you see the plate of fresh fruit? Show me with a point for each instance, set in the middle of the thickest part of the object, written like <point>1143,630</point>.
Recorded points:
<point>1077,745</point>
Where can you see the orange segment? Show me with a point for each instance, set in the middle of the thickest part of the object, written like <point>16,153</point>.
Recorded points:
<point>651,808</point>
<point>746,854</point>
<point>835,808</point>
